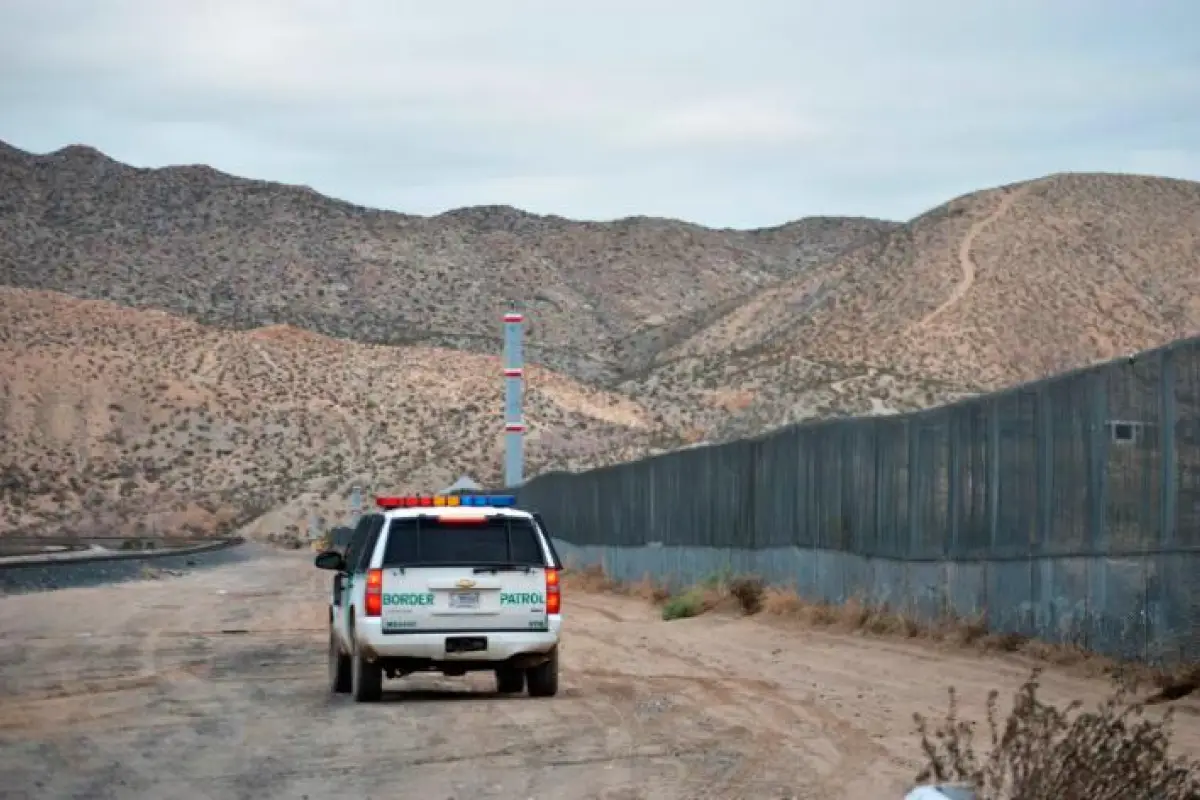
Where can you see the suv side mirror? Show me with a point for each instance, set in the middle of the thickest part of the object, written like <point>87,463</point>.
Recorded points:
<point>331,560</point>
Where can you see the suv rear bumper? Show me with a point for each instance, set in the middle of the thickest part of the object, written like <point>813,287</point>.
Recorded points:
<point>501,645</point>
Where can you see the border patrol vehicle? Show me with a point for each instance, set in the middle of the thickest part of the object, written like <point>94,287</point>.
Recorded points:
<point>448,584</point>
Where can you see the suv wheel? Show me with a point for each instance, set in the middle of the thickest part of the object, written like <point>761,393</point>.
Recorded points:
<point>543,679</point>
<point>339,666</point>
<point>366,679</point>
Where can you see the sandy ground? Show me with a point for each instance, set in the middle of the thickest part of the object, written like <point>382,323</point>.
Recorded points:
<point>212,685</point>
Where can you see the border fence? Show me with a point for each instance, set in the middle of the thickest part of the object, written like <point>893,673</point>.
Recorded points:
<point>1066,509</point>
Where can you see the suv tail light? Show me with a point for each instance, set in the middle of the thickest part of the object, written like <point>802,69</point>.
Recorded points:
<point>374,597</point>
<point>553,592</point>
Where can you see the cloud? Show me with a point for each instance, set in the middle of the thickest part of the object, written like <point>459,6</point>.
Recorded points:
<point>724,113</point>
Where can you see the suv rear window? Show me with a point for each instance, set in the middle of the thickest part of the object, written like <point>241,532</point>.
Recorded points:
<point>433,542</point>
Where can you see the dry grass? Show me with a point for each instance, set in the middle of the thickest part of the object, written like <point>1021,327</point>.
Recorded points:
<point>749,594</point>
<point>971,633</point>
<point>593,578</point>
<point>590,578</point>
<point>1041,752</point>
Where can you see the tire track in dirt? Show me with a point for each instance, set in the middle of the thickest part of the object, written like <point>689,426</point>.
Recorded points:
<point>771,723</point>
<point>770,720</point>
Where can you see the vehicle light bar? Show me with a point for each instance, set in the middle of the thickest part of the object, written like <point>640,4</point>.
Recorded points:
<point>451,500</point>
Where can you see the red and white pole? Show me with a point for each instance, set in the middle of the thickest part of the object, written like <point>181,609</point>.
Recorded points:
<point>514,422</point>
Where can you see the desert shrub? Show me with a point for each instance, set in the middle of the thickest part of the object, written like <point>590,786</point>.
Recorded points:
<point>749,592</point>
<point>1041,752</point>
<point>689,603</point>
<point>287,541</point>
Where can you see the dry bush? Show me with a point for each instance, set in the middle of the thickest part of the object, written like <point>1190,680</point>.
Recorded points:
<point>748,591</point>
<point>651,591</point>
<point>288,541</point>
<point>782,602</point>
<point>591,578</point>
<point>1041,752</point>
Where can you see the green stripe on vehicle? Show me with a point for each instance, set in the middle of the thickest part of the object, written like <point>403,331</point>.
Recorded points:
<point>521,599</point>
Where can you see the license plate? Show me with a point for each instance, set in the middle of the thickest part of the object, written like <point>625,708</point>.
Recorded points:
<point>464,599</point>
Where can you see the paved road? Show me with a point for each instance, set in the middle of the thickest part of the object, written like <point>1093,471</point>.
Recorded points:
<point>212,685</point>
<point>40,577</point>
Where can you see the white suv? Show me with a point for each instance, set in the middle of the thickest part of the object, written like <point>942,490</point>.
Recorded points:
<point>445,584</point>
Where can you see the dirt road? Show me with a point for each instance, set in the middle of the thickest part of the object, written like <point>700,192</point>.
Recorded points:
<point>212,685</point>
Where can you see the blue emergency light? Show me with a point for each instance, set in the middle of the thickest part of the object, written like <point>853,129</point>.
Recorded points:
<point>493,500</point>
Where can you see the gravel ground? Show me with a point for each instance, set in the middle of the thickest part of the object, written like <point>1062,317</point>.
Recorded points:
<point>18,579</point>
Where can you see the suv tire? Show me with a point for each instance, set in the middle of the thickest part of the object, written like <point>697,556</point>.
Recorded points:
<point>543,679</point>
<point>339,667</point>
<point>366,679</point>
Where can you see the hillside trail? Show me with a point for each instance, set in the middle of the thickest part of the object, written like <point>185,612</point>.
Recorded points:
<point>966,262</point>
<point>213,684</point>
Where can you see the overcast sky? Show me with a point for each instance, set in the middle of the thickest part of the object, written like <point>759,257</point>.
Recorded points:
<point>726,113</point>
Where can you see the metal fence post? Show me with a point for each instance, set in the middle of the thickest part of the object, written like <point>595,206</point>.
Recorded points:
<point>880,548</point>
<point>993,467</point>
<point>911,435</point>
<point>1098,461</point>
<point>953,483</point>
<point>1045,470</point>
<point>1163,604</point>
<point>1167,433</point>
<point>1097,472</point>
<point>749,513</point>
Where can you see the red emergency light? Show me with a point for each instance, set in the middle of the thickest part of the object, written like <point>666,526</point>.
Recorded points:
<point>447,500</point>
<point>388,503</point>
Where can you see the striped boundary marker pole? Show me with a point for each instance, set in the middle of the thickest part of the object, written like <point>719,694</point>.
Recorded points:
<point>514,422</point>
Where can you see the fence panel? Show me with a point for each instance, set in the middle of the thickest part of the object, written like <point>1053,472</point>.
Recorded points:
<point>1068,509</point>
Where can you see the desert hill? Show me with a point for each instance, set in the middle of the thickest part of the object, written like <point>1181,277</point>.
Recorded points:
<point>245,254</point>
<point>991,289</point>
<point>121,420</point>
<point>235,398</point>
